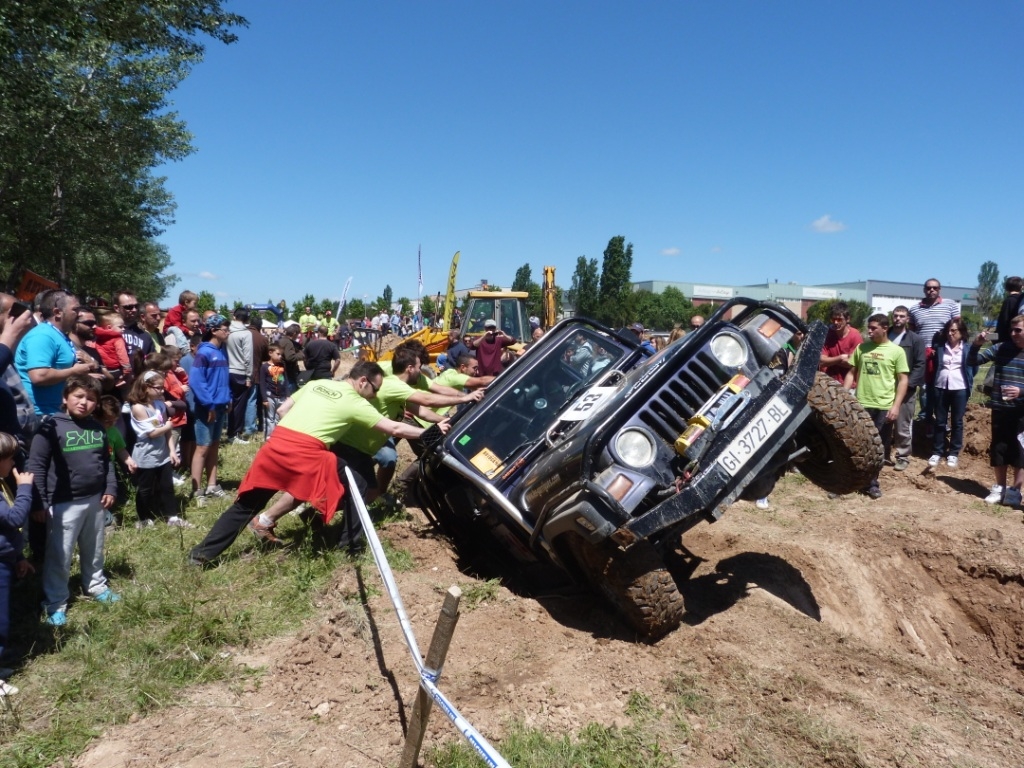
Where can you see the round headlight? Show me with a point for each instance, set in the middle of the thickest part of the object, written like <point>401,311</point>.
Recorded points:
<point>635,448</point>
<point>729,350</point>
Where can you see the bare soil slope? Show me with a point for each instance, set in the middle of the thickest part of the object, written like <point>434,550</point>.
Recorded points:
<point>822,632</point>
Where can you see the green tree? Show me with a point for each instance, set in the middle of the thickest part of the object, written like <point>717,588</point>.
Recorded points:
<point>386,298</point>
<point>616,282</point>
<point>523,279</point>
<point>644,307</point>
<point>299,307</point>
<point>206,302</point>
<point>406,305</point>
<point>428,305</point>
<point>84,119</point>
<point>990,296</point>
<point>356,309</point>
<point>822,310</point>
<point>583,295</point>
<point>677,309</point>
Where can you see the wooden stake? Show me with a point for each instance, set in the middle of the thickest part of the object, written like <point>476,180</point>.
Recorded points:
<point>443,631</point>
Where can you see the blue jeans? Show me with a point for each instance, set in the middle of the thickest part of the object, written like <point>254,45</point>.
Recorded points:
<point>885,430</point>
<point>387,456</point>
<point>270,417</point>
<point>250,410</point>
<point>6,584</point>
<point>949,404</point>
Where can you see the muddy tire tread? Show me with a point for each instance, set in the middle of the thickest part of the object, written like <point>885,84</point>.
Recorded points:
<point>635,582</point>
<point>846,449</point>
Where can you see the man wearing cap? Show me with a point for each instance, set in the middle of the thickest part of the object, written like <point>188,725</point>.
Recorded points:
<point>489,348</point>
<point>638,329</point>
<point>212,394</point>
<point>330,325</point>
<point>456,349</point>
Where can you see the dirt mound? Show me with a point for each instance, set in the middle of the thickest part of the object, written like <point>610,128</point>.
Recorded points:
<point>844,632</point>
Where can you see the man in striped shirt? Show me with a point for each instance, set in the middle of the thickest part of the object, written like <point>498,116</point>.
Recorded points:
<point>1007,406</point>
<point>930,315</point>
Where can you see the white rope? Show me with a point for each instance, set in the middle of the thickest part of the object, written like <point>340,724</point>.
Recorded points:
<point>428,677</point>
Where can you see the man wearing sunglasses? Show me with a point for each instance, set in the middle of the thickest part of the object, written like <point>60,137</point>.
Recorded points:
<point>135,338</point>
<point>83,337</point>
<point>930,316</point>
<point>297,458</point>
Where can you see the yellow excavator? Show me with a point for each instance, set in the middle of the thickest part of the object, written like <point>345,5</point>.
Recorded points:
<point>506,308</point>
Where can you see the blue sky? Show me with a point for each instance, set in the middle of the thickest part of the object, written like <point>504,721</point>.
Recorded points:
<point>730,142</point>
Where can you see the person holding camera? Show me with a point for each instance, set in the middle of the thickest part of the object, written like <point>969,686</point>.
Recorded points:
<point>489,349</point>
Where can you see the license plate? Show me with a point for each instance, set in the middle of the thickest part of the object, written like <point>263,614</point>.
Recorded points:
<point>756,434</point>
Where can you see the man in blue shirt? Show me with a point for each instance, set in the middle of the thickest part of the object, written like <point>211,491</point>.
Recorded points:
<point>46,357</point>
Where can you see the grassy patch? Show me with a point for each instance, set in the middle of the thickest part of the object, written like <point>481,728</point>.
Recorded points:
<point>176,626</point>
<point>479,592</point>
<point>594,746</point>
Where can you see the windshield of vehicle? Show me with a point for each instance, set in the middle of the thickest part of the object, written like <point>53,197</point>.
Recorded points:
<point>512,318</point>
<point>521,413</point>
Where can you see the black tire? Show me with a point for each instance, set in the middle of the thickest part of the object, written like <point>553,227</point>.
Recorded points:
<point>845,447</point>
<point>634,582</point>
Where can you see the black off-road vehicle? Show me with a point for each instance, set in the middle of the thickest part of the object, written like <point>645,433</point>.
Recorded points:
<point>592,455</point>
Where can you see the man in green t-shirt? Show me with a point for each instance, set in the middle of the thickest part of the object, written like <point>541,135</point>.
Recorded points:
<point>313,419</point>
<point>879,372</point>
<point>464,376</point>
<point>403,391</point>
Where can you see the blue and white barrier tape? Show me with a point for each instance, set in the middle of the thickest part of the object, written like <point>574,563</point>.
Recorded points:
<point>428,677</point>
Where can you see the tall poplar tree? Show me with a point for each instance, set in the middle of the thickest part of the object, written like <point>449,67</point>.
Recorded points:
<point>616,282</point>
<point>583,295</point>
<point>989,293</point>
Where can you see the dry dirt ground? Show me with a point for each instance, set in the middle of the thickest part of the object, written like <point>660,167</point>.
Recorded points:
<point>841,632</point>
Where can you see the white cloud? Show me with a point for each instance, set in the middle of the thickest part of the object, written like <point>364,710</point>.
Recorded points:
<point>717,249</point>
<point>209,276</point>
<point>670,251</point>
<point>826,225</point>
<point>222,294</point>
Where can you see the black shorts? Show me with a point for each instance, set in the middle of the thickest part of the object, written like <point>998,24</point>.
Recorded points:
<point>1006,449</point>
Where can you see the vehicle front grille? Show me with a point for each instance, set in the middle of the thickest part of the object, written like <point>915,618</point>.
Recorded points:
<point>670,408</point>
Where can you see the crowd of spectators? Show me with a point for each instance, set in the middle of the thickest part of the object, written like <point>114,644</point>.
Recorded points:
<point>86,387</point>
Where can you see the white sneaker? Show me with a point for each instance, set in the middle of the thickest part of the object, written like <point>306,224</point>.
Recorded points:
<point>177,480</point>
<point>995,495</point>
<point>141,525</point>
<point>6,689</point>
<point>179,522</point>
<point>952,461</point>
<point>762,503</point>
<point>934,460</point>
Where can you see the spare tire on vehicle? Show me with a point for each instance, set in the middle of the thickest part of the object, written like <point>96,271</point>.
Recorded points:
<point>845,447</point>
